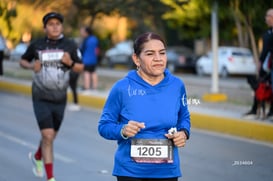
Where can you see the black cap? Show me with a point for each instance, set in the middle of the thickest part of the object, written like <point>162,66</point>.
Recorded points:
<point>51,15</point>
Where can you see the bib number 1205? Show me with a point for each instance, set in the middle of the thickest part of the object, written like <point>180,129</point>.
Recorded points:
<point>152,150</point>
<point>149,151</point>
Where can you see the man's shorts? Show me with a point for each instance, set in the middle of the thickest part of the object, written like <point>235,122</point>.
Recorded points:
<point>90,68</point>
<point>49,114</point>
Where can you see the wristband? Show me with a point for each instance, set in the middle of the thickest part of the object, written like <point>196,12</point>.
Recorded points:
<point>186,132</point>
<point>121,132</point>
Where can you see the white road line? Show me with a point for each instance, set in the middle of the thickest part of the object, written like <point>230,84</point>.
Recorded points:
<point>32,146</point>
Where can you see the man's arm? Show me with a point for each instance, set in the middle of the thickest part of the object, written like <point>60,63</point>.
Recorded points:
<point>26,64</point>
<point>75,66</point>
<point>35,66</point>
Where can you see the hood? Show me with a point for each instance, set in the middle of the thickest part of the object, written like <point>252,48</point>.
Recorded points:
<point>133,76</point>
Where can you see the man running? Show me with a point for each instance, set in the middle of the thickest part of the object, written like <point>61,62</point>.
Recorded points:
<point>51,58</point>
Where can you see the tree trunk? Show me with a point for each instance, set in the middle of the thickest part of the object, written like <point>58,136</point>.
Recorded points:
<point>253,47</point>
<point>93,17</point>
<point>251,35</point>
<point>239,28</point>
<point>238,21</point>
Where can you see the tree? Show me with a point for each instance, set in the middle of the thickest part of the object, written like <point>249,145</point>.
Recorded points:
<point>140,21</point>
<point>7,12</point>
<point>147,15</point>
<point>24,16</point>
<point>191,18</point>
<point>94,8</point>
<point>238,19</point>
<point>248,22</point>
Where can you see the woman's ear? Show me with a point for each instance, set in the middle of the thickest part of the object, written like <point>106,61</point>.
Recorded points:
<point>136,60</point>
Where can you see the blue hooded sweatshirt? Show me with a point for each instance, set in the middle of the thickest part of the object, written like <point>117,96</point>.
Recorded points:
<point>160,107</point>
<point>88,50</point>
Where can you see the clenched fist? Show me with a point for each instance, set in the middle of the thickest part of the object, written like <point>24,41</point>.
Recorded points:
<point>179,138</point>
<point>66,60</point>
<point>132,128</point>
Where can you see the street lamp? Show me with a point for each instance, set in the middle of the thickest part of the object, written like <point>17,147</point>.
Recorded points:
<point>214,96</point>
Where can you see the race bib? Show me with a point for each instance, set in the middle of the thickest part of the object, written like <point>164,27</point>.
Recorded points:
<point>53,75</point>
<point>51,55</point>
<point>152,150</point>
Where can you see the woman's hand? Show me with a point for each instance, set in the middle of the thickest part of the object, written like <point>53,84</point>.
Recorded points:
<point>179,138</point>
<point>132,128</point>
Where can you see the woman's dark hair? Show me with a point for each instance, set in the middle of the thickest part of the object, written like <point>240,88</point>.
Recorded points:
<point>88,30</point>
<point>143,38</point>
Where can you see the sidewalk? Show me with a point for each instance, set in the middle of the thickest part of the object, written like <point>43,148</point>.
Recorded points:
<point>220,117</point>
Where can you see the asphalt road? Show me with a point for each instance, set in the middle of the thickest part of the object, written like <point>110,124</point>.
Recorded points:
<point>81,154</point>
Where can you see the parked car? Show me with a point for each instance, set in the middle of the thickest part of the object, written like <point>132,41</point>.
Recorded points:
<point>232,60</point>
<point>180,57</point>
<point>121,53</point>
<point>18,51</point>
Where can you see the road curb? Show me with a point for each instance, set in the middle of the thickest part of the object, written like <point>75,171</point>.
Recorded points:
<point>215,97</point>
<point>249,129</point>
<point>244,128</point>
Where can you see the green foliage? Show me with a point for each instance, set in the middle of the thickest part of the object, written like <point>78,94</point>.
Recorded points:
<point>143,15</point>
<point>191,19</point>
<point>7,12</point>
<point>1,11</point>
<point>177,20</point>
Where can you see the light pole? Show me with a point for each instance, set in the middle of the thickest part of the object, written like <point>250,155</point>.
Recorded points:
<point>214,96</point>
<point>214,39</point>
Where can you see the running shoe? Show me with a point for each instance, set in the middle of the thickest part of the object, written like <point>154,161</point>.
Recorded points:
<point>38,169</point>
<point>52,179</point>
<point>74,107</point>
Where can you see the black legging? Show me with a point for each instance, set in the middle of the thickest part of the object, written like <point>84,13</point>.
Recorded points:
<point>73,81</point>
<point>147,179</point>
